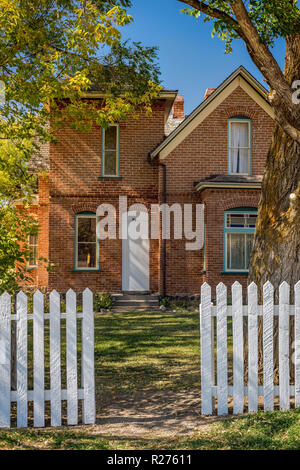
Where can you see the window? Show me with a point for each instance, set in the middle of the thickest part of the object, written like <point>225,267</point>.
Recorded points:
<point>86,242</point>
<point>239,234</point>
<point>33,248</point>
<point>239,146</point>
<point>110,151</point>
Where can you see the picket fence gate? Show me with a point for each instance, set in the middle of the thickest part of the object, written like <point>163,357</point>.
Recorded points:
<point>214,384</point>
<point>55,394</point>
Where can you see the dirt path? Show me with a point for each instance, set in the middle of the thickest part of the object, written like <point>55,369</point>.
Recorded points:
<point>158,413</point>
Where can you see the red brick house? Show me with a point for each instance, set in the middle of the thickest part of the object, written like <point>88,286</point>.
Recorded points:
<point>215,156</point>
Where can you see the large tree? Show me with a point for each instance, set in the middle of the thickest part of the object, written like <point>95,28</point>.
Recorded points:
<point>258,23</point>
<point>52,51</point>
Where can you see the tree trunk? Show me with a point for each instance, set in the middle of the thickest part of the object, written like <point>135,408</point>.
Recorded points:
<point>276,252</point>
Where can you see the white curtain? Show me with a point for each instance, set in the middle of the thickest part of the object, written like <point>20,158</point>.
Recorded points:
<point>239,137</point>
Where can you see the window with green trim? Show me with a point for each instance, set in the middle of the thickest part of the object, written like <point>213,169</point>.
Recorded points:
<point>239,229</point>
<point>86,242</point>
<point>33,249</point>
<point>110,151</point>
<point>239,146</point>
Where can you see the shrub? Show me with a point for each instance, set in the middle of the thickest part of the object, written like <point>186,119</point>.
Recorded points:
<point>102,300</point>
<point>165,302</point>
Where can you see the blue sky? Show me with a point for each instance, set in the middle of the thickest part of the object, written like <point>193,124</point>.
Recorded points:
<point>190,60</point>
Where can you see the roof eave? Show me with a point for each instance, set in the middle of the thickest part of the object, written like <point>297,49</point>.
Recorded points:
<point>239,71</point>
<point>164,94</point>
<point>167,95</point>
<point>230,185</point>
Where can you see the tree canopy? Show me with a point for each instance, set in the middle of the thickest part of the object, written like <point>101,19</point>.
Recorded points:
<point>54,50</point>
<point>258,23</point>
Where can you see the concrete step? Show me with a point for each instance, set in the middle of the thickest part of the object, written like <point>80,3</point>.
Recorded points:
<point>136,301</point>
<point>140,303</point>
<point>136,292</point>
<point>139,298</point>
<point>128,308</point>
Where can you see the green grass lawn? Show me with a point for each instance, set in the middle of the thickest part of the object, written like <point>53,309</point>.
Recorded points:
<point>276,430</point>
<point>156,351</point>
<point>140,351</point>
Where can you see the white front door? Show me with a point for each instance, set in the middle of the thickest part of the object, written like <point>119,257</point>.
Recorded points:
<point>135,252</point>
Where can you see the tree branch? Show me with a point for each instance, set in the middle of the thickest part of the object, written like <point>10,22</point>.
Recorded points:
<point>267,64</point>
<point>281,119</point>
<point>288,116</point>
<point>214,13</point>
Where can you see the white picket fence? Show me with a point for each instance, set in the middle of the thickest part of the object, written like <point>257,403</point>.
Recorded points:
<point>214,383</point>
<point>22,396</point>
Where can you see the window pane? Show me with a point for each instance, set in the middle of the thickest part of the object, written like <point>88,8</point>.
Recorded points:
<point>239,160</point>
<point>236,251</point>
<point>241,220</point>
<point>111,138</point>
<point>33,256</point>
<point>33,247</point>
<point>86,255</point>
<point>110,164</point>
<point>252,221</point>
<point>86,229</point>
<point>249,246</point>
<point>239,134</point>
<point>32,239</point>
<point>236,220</point>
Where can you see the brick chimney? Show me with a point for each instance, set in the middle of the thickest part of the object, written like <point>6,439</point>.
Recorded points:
<point>208,92</point>
<point>178,107</point>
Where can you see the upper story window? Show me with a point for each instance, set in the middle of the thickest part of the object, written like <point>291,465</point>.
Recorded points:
<point>239,146</point>
<point>33,249</point>
<point>110,151</point>
<point>86,242</point>
<point>239,229</point>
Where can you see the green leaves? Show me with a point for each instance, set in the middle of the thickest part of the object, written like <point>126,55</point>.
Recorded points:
<point>51,52</point>
<point>271,18</point>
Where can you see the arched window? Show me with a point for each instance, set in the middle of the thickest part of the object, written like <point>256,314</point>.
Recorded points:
<point>239,146</point>
<point>86,242</point>
<point>239,229</point>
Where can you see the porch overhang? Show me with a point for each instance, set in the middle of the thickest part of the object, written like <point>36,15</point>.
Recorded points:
<point>202,185</point>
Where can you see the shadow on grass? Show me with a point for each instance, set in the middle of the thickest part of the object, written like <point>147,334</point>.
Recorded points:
<point>142,350</point>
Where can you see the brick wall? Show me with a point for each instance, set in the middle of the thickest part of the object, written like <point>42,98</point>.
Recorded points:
<point>39,275</point>
<point>75,186</point>
<point>202,153</point>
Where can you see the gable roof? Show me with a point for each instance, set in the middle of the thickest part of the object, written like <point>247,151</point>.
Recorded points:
<point>240,77</point>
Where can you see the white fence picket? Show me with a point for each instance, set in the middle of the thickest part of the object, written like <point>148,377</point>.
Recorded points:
<point>5,359</point>
<point>222,367</point>
<point>255,313</point>
<point>284,360</point>
<point>252,349</point>
<point>39,395</point>
<point>297,345</point>
<point>72,376</point>
<point>268,319</point>
<point>22,405</point>
<point>88,377</point>
<point>206,356</point>
<point>238,348</point>
<point>55,359</point>
<point>38,360</point>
